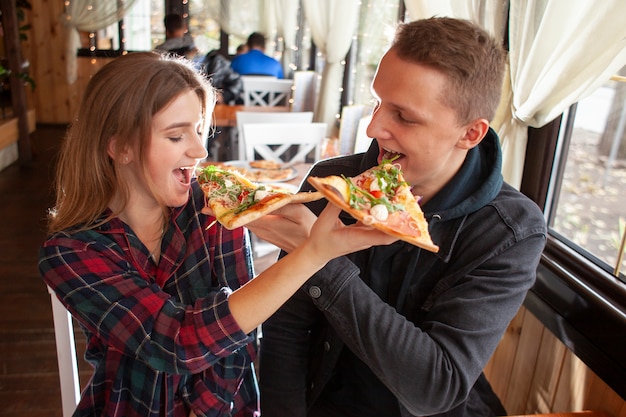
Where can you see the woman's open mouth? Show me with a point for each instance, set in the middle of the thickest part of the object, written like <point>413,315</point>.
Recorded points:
<point>184,175</point>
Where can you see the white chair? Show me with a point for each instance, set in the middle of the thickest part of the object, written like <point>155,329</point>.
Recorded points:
<point>304,90</point>
<point>362,141</point>
<point>266,91</point>
<point>272,141</point>
<point>349,125</point>
<point>244,117</point>
<point>66,355</point>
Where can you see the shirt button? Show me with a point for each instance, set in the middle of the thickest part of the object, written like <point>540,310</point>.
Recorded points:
<point>326,346</point>
<point>315,292</point>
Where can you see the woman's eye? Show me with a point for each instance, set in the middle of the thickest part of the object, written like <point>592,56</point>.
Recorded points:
<point>176,138</point>
<point>404,120</point>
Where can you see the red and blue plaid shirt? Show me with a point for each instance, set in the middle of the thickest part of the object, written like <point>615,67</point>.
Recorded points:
<point>161,337</point>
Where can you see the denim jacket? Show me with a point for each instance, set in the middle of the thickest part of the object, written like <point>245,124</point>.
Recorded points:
<point>429,339</point>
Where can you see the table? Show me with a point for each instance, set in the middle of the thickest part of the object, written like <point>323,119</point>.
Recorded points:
<point>224,120</point>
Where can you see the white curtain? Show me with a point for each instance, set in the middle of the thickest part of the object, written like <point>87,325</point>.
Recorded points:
<point>88,16</point>
<point>560,52</point>
<point>281,19</point>
<point>237,17</point>
<point>489,14</point>
<point>333,25</point>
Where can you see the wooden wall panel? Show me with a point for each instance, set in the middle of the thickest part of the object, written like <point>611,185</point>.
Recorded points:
<point>47,58</point>
<point>54,99</point>
<point>544,376</point>
<point>547,372</point>
<point>501,364</point>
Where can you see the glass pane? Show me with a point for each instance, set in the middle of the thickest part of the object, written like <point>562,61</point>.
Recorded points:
<point>204,26</point>
<point>591,209</point>
<point>143,28</point>
<point>378,19</point>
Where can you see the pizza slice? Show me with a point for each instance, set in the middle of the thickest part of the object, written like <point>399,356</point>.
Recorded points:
<point>265,164</point>
<point>237,201</point>
<point>381,198</point>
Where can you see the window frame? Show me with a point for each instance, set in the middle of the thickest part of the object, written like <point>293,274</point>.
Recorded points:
<point>578,300</point>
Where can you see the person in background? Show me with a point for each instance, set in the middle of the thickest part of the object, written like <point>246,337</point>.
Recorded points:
<point>227,82</point>
<point>163,292</point>
<point>241,49</point>
<point>254,61</point>
<point>397,330</point>
<point>178,41</point>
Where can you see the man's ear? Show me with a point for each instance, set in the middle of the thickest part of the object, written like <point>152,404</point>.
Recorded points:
<point>474,133</point>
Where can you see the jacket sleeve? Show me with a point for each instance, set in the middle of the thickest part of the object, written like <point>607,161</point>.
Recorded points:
<point>430,368</point>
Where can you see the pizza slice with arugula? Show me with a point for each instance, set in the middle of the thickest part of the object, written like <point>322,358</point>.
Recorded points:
<point>381,198</point>
<point>237,201</point>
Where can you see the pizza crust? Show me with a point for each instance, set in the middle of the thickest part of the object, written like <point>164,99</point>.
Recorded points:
<point>337,191</point>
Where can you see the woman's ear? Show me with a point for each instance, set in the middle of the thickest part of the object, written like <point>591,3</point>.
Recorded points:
<point>123,157</point>
<point>474,133</point>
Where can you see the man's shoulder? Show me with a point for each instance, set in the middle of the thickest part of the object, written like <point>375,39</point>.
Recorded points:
<point>519,211</point>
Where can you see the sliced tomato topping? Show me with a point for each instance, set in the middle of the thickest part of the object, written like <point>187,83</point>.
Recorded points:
<point>377,193</point>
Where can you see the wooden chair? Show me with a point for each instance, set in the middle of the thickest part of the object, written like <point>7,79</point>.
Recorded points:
<point>244,117</point>
<point>66,355</point>
<point>272,141</point>
<point>266,91</point>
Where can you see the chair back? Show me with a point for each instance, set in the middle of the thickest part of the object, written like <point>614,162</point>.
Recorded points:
<point>349,128</point>
<point>244,117</point>
<point>266,91</point>
<point>66,355</point>
<point>284,142</point>
<point>362,141</point>
<point>304,90</point>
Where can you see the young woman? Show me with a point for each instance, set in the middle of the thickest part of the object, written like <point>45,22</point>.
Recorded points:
<point>165,296</point>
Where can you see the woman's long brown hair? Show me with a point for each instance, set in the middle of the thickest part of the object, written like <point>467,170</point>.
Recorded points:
<point>119,103</point>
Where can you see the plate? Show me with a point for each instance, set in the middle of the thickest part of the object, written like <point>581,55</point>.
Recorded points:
<point>262,175</point>
<point>281,186</point>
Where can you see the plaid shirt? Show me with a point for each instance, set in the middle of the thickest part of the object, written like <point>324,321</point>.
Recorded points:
<point>161,338</point>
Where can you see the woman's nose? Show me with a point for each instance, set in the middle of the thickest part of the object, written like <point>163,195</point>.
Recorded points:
<point>198,149</point>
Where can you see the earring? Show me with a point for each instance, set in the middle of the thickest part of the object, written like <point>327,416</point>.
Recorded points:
<point>125,159</point>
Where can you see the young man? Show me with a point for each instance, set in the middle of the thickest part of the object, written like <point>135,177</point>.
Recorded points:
<point>254,61</point>
<point>396,330</point>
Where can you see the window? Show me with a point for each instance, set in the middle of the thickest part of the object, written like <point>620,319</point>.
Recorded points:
<point>587,208</point>
<point>377,22</point>
<point>140,30</point>
<point>580,295</point>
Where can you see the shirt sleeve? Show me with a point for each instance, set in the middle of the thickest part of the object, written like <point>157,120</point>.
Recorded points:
<point>132,314</point>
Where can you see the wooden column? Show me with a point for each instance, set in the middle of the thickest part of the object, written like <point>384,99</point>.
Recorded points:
<point>18,93</point>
